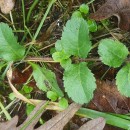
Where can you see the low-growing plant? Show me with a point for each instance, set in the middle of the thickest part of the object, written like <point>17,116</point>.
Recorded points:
<point>73,48</point>
<point>75,44</point>
<point>71,51</point>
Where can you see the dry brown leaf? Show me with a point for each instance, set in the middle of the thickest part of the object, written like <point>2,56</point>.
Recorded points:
<point>118,8</point>
<point>108,99</point>
<point>35,120</point>
<point>6,5</point>
<point>9,125</point>
<point>60,120</point>
<point>95,124</point>
<point>56,123</point>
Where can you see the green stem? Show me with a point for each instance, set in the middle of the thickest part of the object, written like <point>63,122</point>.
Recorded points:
<point>23,9</point>
<point>43,19</point>
<point>11,17</point>
<point>30,10</point>
<point>8,106</point>
<point>5,112</point>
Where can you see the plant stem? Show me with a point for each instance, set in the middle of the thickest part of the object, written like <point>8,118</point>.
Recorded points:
<point>30,10</point>
<point>23,9</point>
<point>48,59</point>
<point>11,17</point>
<point>5,112</point>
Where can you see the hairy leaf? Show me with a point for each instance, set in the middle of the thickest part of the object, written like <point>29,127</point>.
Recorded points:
<point>10,50</point>
<point>79,83</point>
<point>123,80</point>
<point>45,79</point>
<point>75,38</point>
<point>112,53</point>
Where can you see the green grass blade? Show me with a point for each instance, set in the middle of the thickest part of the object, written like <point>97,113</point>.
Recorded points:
<point>5,112</point>
<point>30,10</point>
<point>110,119</point>
<point>43,19</point>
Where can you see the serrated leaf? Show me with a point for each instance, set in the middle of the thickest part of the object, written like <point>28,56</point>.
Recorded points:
<point>79,83</point>
<point>112,53</point>
<point>10,50</point>
<point>45,79</point>
<point>123,80</point>
<point>75,38</point>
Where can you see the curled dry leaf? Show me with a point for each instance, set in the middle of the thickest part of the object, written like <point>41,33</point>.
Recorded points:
<point>6,5</point>
<point>118,8</point>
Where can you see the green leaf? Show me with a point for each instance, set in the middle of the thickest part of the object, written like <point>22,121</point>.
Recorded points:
<point>75,38</point>
<point>66,63</point>
<point>112,53</point>
<point>12,96</point>
<point>76,14</point>
<point>59,56</point>
<point>63,103</point>
<point>27,89</point>
<point>52,95</point>
<point>84,8</point>
<point>92,25</point>
<point>79,83</point>
<point>10,50</point>
<point>123,80</point>
<point>29,109</point>
<point>45,79</point>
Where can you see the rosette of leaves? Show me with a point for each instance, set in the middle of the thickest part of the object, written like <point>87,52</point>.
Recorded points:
<point>79,82</point>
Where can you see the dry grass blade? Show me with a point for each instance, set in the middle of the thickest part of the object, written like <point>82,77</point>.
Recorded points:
<point>95,124</point>
<point>59,121</point>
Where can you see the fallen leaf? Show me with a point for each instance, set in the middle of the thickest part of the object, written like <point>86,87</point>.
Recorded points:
<point>60,120</point>
<point>108,99</point>
<point>118,8</point>
<point>33,118</point>
<point>9,125</point>
<point>95,124</point>
<point>56,123</point>
<point>6,5</point>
